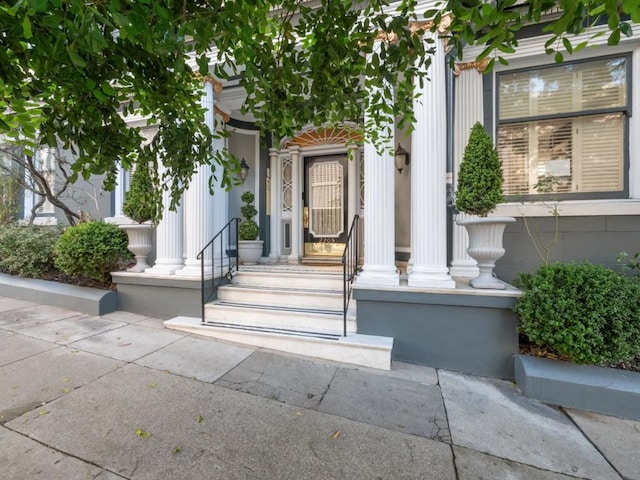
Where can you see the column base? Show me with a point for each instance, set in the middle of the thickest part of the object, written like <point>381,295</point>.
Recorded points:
<point>430,278</point>
<point>164,268</point>
<point>293,259</point>
<point>379,276</point>
<point>464,269</point>
<point>193,271</point>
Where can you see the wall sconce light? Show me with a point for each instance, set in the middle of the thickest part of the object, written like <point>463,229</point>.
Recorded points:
<point>244,169</point>
<point>402,158</point>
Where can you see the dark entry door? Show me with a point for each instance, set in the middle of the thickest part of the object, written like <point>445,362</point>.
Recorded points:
<point>325,205</point>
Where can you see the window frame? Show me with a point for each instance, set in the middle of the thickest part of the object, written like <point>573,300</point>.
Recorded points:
<point>625,110</point>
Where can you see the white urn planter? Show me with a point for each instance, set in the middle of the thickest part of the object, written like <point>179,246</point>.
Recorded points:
<point>250,251</point>
<point>140,243</point>
<point>485,247</point>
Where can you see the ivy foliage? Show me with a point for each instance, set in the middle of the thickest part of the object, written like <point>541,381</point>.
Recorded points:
<point>92,250</point>
<point>586,312</point>
<point>248,229</point>
<point>73,70</point>
<point>570,24</point>
<point>480,176</point>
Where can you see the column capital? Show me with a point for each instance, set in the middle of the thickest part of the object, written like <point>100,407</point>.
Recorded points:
<point>479,65</point>
<point>216,84</point>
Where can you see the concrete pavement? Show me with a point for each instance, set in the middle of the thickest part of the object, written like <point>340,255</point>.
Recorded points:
<point>120,397</point>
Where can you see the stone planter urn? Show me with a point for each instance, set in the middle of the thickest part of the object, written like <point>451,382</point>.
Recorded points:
<point>250,251</point>
<point>485,247</point>
<point>140,244</point>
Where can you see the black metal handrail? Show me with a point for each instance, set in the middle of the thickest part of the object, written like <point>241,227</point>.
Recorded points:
<point>350,265</point>
<point>231,253</point>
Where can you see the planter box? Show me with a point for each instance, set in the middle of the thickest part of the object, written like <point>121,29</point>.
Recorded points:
<point>91,301</point>
<point>596,389</point>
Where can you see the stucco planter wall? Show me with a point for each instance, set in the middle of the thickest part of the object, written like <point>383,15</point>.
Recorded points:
<point>91,301</point>
<point>596,389</point>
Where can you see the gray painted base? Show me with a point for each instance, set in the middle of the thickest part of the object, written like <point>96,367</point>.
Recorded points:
<point>91,301</point>
<point>596,389</point>
<point>462,329</point>
<point>158,296</point>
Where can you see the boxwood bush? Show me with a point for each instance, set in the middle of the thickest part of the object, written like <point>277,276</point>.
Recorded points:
<point>27,250</point>
<point>586,312</point>
<point>92,249</point>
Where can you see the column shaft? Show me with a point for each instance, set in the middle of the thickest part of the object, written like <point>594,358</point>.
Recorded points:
<point>428,181</point>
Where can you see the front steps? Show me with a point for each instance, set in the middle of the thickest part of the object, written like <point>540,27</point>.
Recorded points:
<point>296,309</point>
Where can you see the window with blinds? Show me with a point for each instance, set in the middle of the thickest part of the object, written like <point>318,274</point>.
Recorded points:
<point>562,129</point>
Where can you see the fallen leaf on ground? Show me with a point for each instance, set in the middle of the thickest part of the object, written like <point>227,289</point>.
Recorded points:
<point>336,434</point>
<point>141,433</point>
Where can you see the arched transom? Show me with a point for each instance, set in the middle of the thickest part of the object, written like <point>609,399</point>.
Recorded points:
<point>324,136</point>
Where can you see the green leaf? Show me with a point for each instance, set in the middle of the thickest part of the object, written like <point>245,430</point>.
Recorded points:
<point>76,59</point>
<point>26,27</point>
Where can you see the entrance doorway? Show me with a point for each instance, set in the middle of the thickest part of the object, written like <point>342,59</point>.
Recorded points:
<point>325,205</point>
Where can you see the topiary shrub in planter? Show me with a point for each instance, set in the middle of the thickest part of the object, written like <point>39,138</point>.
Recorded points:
<point>140,206</point>
<point>27,250</point>
<point>585,312</point>
<point>92,249</point>
<point>249,247</point>
<point>479,191</point>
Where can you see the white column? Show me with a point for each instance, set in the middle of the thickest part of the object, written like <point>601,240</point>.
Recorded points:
<point>428,181</point>
<point>379,267</point>
<point>169,247</point>
<point>220,203</point>
<point>119,191</point>
<point>352,183</point>
<point>274,218</point>
<point>296,223</point>
<point>198,204</point>
<point>468,110</point>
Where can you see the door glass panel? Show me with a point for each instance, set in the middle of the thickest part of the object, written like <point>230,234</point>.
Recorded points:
<point>326,199</point>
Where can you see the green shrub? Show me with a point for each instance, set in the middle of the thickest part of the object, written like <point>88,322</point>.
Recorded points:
<point>248,229</point>
<point>92,249</point>
<point>139,201</point>
<point>586,312</point>
<point>9,199</point>
<point>479,188</point>
<point>27,250</point>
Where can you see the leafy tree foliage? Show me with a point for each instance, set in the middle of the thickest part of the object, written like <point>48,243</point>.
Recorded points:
<point>73,70</point>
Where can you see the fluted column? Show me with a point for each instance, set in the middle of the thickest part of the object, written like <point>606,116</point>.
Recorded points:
<point>352,183</point>
<point>428,181</point>
<point>198,204</point>
<point>468,110</point>
<point>169,246</point>
<point>219,208</point>
<point>119,191</point>
<point>274,193</point>
<point>379,267</point>
<point>296,216</point>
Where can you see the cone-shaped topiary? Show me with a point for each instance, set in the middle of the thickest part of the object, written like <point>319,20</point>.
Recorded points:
<point>248,229</point>
<point>139,201</point>
<point>480,177</point>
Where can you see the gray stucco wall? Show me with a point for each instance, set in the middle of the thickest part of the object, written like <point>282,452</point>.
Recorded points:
<point>463,331</point>
<point>598,239</point>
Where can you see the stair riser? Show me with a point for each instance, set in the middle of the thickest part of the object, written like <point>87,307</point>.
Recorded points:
<point>322,301</point>
<point>278,319</point>
<point>355,354</point>
<point>279,280</point>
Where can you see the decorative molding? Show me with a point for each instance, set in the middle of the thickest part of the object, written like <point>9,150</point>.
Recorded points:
<point>224,115</point>
<point>217,84</point>
<point>479,65</point>
<point>417,26</point>
<point>323,136</point>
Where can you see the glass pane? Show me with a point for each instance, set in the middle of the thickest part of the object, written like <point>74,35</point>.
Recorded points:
<point>563,89</point>
<point>326,199</point>
<point>566,155</point>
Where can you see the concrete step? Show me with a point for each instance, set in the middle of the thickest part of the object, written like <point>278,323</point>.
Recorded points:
<point>365,350</point>
<point>278,296</point>
<point>280,317</point>
<point>288,279</point>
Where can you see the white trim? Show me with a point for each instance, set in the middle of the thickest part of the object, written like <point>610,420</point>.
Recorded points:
<point>569,208</point>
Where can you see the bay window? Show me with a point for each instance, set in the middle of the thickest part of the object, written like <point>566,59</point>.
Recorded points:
<point>563,129</point>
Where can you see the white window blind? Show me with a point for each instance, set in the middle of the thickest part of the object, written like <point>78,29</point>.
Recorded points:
<point>567,138</point>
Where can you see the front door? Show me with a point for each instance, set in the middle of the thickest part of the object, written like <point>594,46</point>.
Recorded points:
<point>325,205</point>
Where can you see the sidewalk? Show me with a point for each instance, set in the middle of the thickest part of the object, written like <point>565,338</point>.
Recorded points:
<point>120,397</point>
